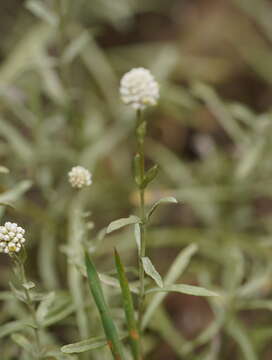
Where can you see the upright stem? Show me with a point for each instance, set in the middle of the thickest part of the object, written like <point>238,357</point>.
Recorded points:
<point>62,41</point>
<point>31,307</point>
<point>140,144</point>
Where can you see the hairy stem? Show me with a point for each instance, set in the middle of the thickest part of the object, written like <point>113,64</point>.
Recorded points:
<point>31,307</point>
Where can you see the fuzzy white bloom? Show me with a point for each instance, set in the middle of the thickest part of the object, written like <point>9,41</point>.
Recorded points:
<point>139,89</point>
<point>79,177</point>
<point>11,238</point>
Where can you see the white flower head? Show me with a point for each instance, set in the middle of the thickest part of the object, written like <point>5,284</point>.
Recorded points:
<point>79,177</point>
<point>11,238</point>
<point>139,89</point>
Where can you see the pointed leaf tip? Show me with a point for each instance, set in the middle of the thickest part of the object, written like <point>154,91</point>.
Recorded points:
<point>184,289</point>
<point>118,224</point>
<point>151,271</point>
<point>165,200</point>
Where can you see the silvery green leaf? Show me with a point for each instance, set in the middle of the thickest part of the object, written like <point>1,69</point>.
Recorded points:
<point>7,205</point>
<point>22,341</point>
<point>53,318</point>
<point>40,10</point>
<point>250,159</point>
<point>117,224</point>
<point>175,271</point>
<point>20,295</point>
<point>137,234</point>
<point>150,175</point>
<point>31,324</point>
<point>28,285</point>
<point>112,281</point>
<point>6,296</point>
<point>58,355</point>
<point>60,308</point>
<point>101,235</point>
<point>16,192</point>
<point>86,345</point>
<point>76,47</point>
<point>137,169</point>
<point>44,307</point>
<point>184,289</point>
<point>4,170</point>
<point>53,84</point>
<point>11,327</point>
<point>29,47</point>
<point>17,141</point>
<point>166,200</point>
<point>218,108</point>
<point>151,271</point>
<point>240,335</point>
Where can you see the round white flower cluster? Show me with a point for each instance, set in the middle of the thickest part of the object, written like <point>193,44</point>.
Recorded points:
<point>11,238</point>
<point>79,177</point>
<point>139,89</point>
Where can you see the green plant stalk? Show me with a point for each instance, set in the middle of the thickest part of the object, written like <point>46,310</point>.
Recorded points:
<point>140,145</point>
<point>75,280</point>
<point>129,309</point>
<point>110,330</point>
<point>30,305</point>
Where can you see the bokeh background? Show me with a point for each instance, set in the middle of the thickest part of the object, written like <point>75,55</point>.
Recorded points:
<point>60,65</point>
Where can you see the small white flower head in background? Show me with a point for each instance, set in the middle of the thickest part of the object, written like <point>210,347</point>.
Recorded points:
<point>11,238</point>
<point>79,177</point>
<point>139,89</point>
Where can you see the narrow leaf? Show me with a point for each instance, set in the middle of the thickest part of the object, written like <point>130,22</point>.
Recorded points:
<point>184,289</point>
<point>137,169</point>
<point>56,354</point>
<point>76,47</point>
<point>240,335</point>
<point>40,10</point>
<point>151,271</point>
<point>163,325</point>
<point>175,271</point>
<point>103,308</point>
<point>150,175</point>
<point>19,294</point>
<point>129,308</point>
<point>85,345</point>
<point>112,281</point>
<point>7,205</point>
<point>117,224</point>
<point>92,343</point>
<point>21,147</point>
<point>44,307</point>
<point>219,109</point>
<point>58,314</point>
<point>11,327</point>
<point>137,234</point>
<point>4,170</point>
<point>16,192</point>
<point>166,200</point>
<point>28,285</point>
<point>22,341</point>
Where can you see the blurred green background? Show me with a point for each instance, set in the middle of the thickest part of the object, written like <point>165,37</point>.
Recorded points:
<point>60,65</point>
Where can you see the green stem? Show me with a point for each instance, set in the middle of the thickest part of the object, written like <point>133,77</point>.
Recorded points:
<point>140,145</point>
<point>32,311</point>
<point>31,307</point>
<point>62,24</point>
<point>142,254</point>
